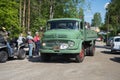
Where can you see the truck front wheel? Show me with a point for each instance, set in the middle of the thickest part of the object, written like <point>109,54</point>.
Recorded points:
<point>81,55</point>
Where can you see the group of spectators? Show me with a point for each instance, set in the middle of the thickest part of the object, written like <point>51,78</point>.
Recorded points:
<point>33,42</point>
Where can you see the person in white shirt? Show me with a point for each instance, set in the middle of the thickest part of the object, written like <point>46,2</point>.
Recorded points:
<point>20,39</point>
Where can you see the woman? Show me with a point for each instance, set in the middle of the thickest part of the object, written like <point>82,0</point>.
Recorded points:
<point>37,43</point>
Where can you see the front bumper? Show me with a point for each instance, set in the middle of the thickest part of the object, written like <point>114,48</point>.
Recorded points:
<point>60,51</point>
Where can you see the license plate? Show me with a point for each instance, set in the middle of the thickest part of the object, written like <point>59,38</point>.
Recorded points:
<point>56,48</point>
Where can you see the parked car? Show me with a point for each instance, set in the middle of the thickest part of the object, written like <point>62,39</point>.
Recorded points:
<point>108,42</point>
<point>115,44</point>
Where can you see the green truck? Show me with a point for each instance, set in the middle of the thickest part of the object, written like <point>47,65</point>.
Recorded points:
<point>68,37</point>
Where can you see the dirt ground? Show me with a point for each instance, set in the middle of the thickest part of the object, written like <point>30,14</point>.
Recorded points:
<point>102,66</point>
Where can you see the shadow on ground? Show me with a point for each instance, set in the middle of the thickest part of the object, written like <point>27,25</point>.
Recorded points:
<point>105,47</point>
<point>13,59</point>
<point>99,46</point>
<point>106,52</point>
<point>115,59</point>
<point>109,52</point>
<point>54,59</point>
<point>34,59</point>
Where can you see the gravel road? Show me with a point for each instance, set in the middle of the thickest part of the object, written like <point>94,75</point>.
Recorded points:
<point>102,66</point>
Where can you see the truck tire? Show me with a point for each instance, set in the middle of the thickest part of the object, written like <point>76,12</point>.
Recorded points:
<point>3,56</point>
<point>87,51</point>
<point>92,50</point>
<point>21,54</point>
<point>45,57</point>
<point>80,56</point>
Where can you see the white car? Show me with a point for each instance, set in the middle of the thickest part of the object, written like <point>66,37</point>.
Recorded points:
<point>115,44</point>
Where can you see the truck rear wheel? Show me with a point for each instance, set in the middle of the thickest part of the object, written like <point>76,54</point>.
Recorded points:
<point>3,56</point>
<point>90,51</point>
<point>87,51</point>
<point>45,57</point>
<point>81,55</point>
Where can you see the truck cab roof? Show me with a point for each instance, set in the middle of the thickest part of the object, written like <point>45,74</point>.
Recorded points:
<point>55,19</point>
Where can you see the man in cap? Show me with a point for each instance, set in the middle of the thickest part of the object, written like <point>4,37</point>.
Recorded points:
<point>5,35</point>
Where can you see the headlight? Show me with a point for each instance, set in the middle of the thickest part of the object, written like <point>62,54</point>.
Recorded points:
<point>43,44</point>
<point>63,46</point>
<point>71,43</point>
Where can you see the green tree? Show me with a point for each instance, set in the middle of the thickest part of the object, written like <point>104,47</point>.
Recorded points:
<point>39,14</point>
<point>42,10</point>
<point>9,15</point>
<point>24,15</point>
<point>112,16</point>
<point>96,21</point>
<point>81,13</point>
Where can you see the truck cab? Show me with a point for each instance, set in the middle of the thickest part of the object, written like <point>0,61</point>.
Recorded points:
<point>66,36</point>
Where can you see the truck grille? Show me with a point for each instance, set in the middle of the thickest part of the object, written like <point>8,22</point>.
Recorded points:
<point>53,44</point>
<point>56,36</point>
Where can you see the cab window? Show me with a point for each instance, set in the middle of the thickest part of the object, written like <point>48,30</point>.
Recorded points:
<point>63,24</point>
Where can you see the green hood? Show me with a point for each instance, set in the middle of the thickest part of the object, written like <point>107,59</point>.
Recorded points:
<point>62,33</point>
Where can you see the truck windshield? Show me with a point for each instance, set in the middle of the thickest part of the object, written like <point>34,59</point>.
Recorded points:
<point>63,24</point>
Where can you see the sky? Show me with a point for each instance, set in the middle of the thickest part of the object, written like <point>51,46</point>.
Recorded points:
<point>96,6</point>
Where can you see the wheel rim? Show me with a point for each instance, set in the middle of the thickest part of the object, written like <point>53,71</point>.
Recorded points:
<point>81,55</point>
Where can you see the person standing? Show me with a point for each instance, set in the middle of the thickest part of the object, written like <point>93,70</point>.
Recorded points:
<point>30,43</point>
<point>37,43</point>
<point>20,39</point>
